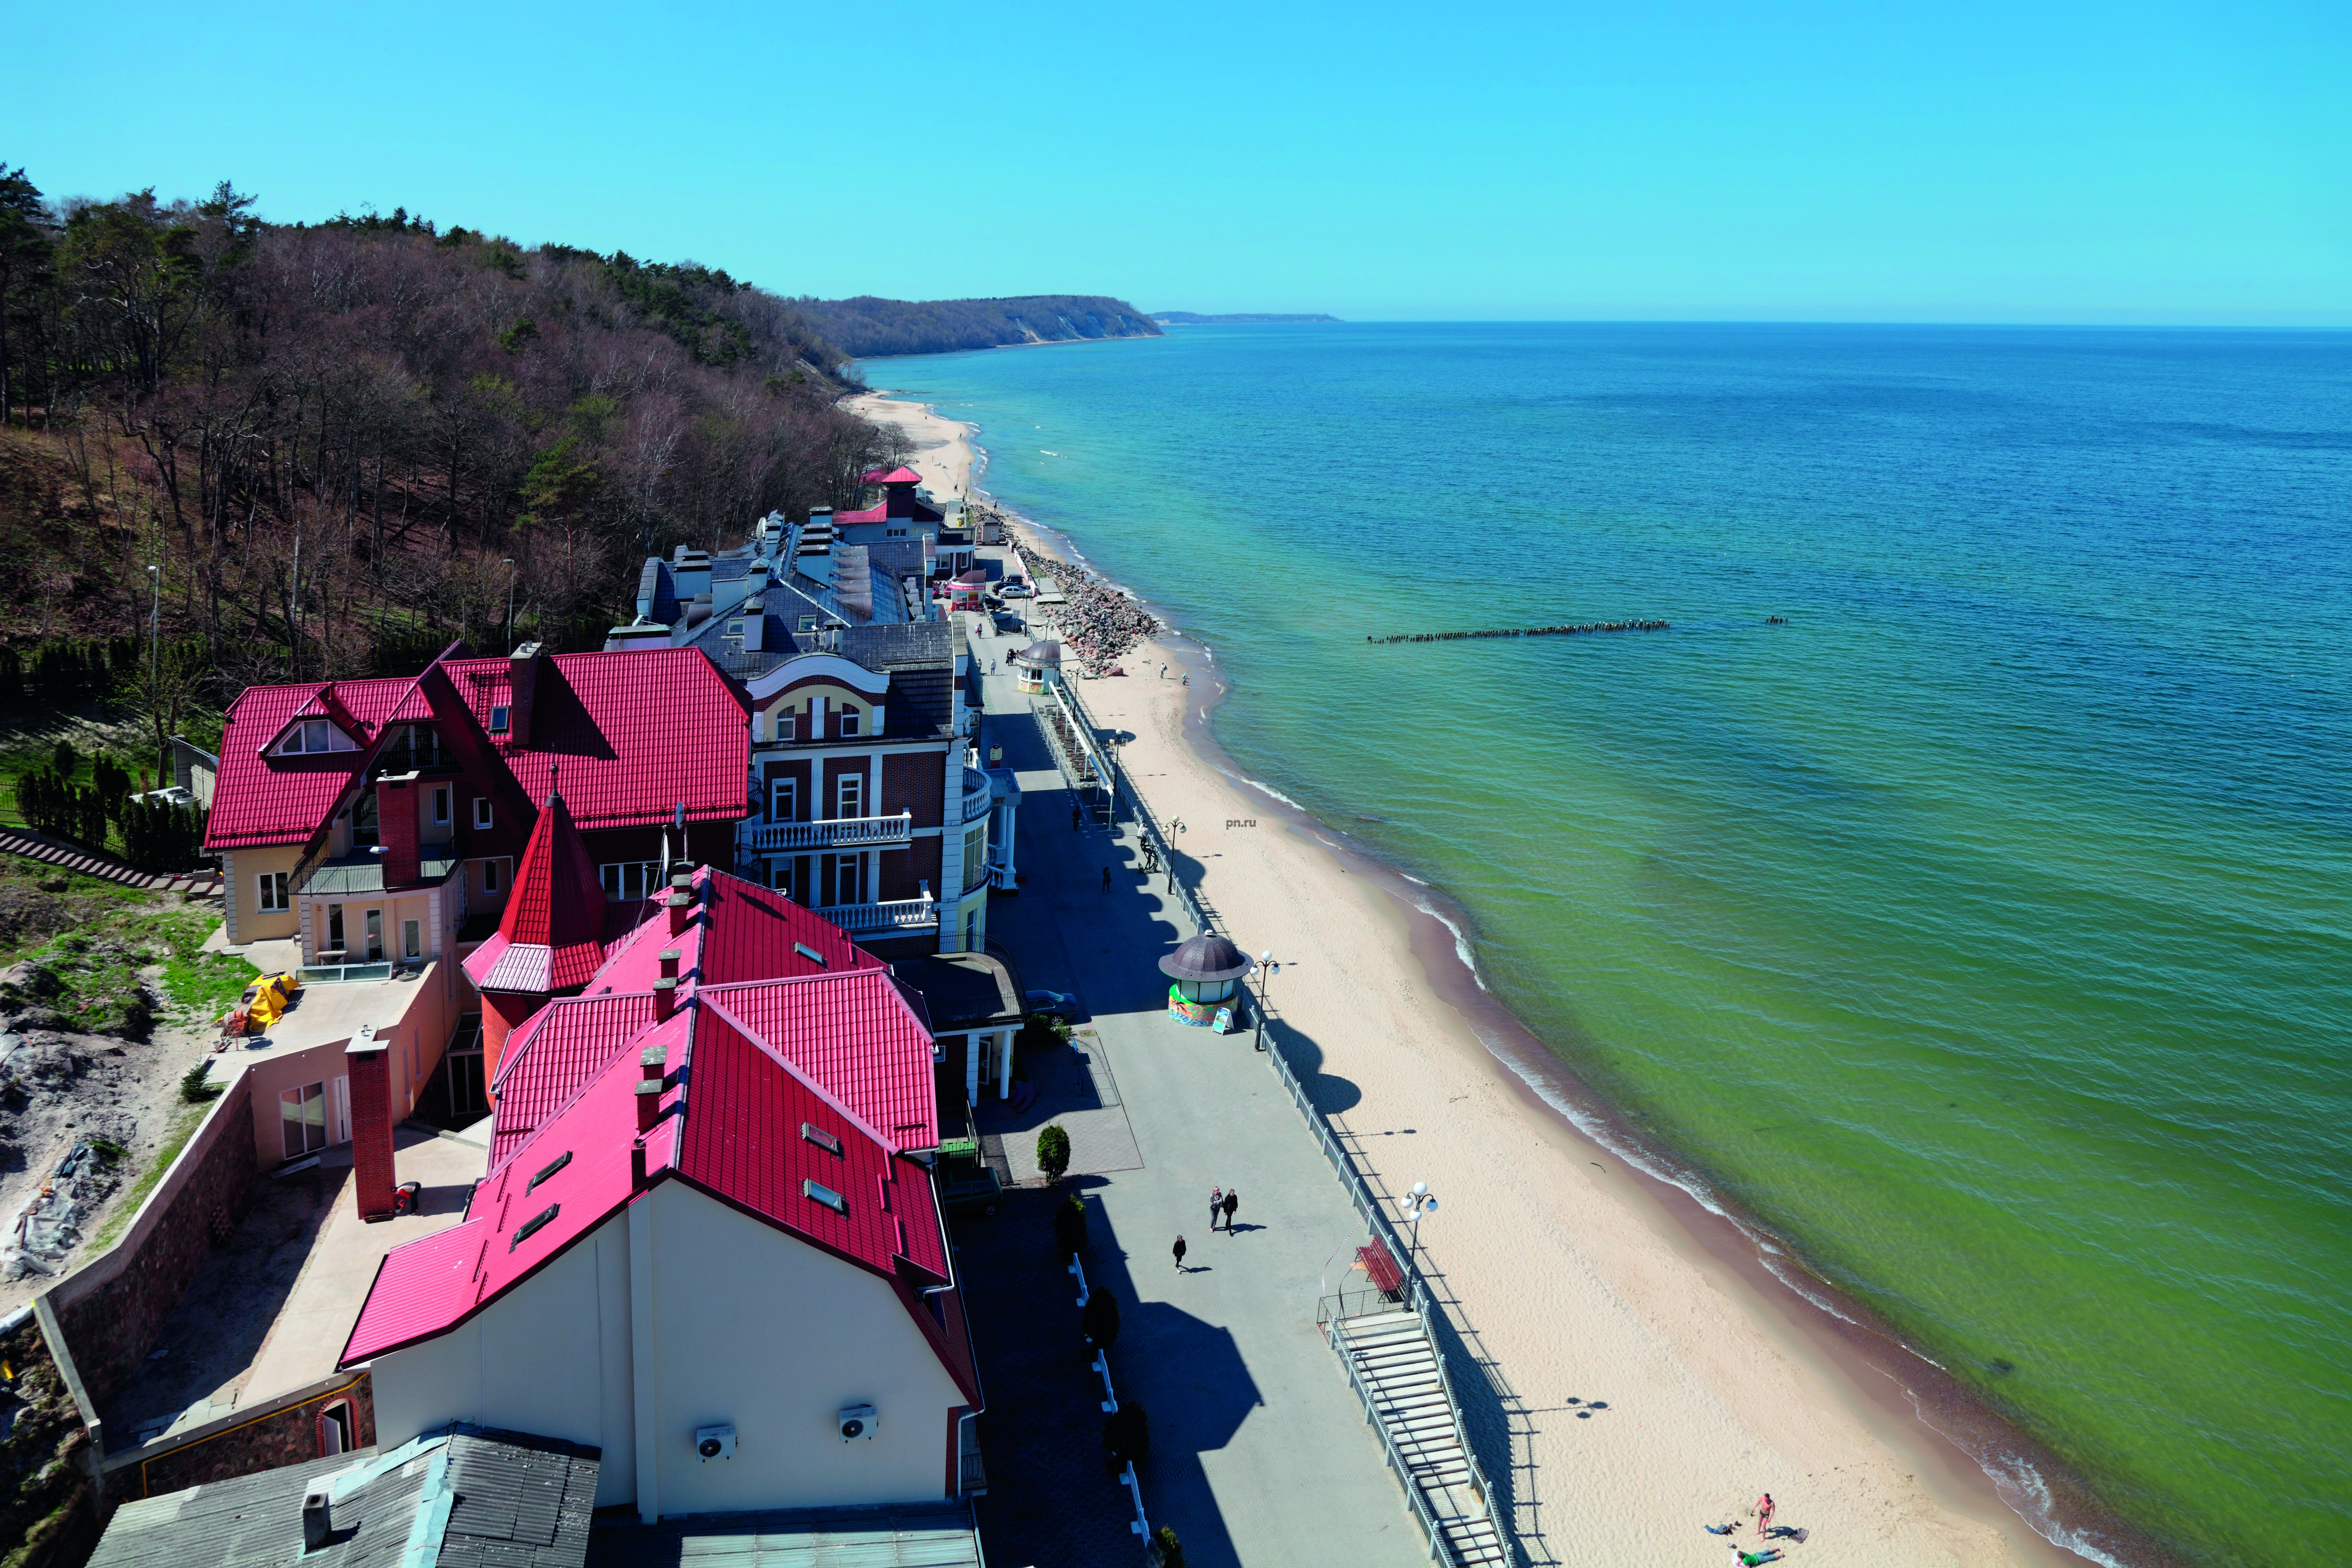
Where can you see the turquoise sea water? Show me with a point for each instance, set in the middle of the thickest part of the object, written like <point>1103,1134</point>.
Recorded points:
<point>1986,929</point>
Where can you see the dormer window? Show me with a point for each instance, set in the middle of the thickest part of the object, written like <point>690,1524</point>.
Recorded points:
<point>734,629</point>
<point>499,714</point>
<point>850,720</point>
<point>311,735</point>
<point>788,725</point>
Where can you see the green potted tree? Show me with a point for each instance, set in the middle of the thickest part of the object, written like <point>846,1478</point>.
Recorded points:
<point>1167,1551</point>
<point>1070,1226</point>
<point>1053,1152</point>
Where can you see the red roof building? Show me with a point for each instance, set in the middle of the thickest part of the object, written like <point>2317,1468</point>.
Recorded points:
<point>703,1212</point>
<point>346,812</point>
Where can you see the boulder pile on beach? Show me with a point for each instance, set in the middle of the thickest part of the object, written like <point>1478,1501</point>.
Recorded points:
<point>1098,624</point>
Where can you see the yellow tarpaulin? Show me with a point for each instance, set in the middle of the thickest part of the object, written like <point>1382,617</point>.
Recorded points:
<point>269,999</point>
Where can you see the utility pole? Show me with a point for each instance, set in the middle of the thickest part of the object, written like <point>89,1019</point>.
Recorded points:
<point>509,564</point>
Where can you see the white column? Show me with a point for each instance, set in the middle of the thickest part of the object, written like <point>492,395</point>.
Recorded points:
<point>971,1068</point>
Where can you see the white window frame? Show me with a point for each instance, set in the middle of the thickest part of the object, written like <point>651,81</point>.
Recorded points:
<point>492,885</point>
<point>784,799</point>
<point>845,786</point>
<point>272,895</point>
<point>412,941</point>
<point>482,811</point>
<point>614,876</point>
<point>851,722</point>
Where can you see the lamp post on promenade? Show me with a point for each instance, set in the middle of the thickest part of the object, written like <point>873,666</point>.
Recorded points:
<point>1417,1202</point>
<point>1267,964</point>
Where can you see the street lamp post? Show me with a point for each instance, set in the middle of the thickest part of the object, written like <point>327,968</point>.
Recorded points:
<point>155,662</point>
<point>1270,969</point>
<point>509,563</point>
<point>1417,1202</point>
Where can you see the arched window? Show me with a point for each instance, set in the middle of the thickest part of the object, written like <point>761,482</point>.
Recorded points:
<point>335,1433</point>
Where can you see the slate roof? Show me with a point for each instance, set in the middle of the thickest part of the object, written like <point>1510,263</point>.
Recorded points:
<point>513,1502</point>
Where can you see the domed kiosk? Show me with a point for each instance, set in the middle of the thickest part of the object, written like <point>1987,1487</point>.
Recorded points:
<point>1205,972</point>
<point>1038,664</point>
<point>966,590</point>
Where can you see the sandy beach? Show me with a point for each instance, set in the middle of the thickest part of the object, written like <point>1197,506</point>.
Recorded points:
<point>1577,1277</point>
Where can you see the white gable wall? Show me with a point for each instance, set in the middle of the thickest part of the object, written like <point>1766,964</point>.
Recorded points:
<point>751,1328</point>
<point>775,1337</point>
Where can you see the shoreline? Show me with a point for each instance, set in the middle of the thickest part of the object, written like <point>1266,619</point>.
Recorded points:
<point>1678,1260</point>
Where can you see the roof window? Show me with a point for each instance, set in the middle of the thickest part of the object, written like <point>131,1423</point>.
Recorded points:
<point>533,1226</point>
<point>815,1190</point>
<point>549,1170</point>
<point>812,954</point>
<point>821,1139</point>
<point>498,718</point>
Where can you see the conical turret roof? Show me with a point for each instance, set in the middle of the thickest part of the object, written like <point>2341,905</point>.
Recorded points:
<point>551,936</point>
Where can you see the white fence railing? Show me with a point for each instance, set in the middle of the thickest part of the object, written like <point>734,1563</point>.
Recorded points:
<point>837,833</point>
<point>902,914</point>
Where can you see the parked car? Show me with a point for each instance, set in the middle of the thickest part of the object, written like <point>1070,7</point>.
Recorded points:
<point>1059,1006</point>
<point>1017,589</point>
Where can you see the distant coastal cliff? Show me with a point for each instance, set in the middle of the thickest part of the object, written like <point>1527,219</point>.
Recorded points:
<point>1193,318</point>
<point>866,327</point>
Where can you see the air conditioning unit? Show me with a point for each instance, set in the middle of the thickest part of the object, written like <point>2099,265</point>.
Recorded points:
<point>714,1443</point>
<point>857,1421</point>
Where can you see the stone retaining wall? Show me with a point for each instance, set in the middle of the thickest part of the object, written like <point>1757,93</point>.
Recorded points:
<point>112,1308</point>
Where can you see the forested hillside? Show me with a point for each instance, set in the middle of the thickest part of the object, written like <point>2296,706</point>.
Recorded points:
<point>866,327</point>
<point>338,447</point>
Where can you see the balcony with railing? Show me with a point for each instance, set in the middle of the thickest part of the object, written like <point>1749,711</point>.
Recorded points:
<point>975,796</point>
<point>835,832</point>
<point>876,919</point>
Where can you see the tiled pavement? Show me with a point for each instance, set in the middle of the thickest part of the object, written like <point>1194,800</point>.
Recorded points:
<point>1260,1453</point>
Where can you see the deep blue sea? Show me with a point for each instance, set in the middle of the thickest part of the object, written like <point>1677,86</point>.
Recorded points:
<point>1986,929</point>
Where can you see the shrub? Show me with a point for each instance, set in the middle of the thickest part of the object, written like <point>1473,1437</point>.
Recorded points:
<point>1166,1550</point>
<point>1070,1226</point>
<point>65,759</point>
<point>1127,1435</point>
<point>1053,1152</point>
<point>193,1087</point>
<point>1099,1319</point>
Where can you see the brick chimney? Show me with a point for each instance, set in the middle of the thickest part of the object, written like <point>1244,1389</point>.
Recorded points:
<point>755,623</point>
<point>681,910</point>
<point>669,957</point>
<point>396,829</point>
<point>652,1064</point>
<point>522,683</point>
<point>665,996</point>
<point>368,1059</point>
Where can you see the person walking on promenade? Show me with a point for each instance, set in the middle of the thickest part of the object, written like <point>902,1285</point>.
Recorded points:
<point>1233,1202</point>
<point>1216,1206</point>
<point>1105,879</point>
<point>1076,816</point>
<point>1180,1254</point>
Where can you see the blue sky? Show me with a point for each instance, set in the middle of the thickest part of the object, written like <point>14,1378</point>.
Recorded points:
<point>1991,161</point>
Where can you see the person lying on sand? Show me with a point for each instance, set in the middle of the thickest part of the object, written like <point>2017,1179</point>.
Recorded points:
<point>1719,1529</point>
<point>1757,1559</point>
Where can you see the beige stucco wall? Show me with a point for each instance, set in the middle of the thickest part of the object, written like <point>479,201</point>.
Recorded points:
<point>750,1327</point>
<point>247,921</point>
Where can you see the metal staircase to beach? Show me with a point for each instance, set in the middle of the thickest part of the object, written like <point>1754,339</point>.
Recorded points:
<point>1394,1367</point>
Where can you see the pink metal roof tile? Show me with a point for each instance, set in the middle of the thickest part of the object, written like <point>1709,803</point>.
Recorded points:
<point>564,1044</point>
<point>260,799</point>
<point>742,1138</point>
<point>871,514</point>
<point>633,734</point>
<point>898,476</point>
<point>733,1126</point>
<point>858,1035</point>
<point>553,926</point>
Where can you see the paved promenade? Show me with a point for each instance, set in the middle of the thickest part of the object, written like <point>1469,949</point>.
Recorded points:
<point>1260,1453</point>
